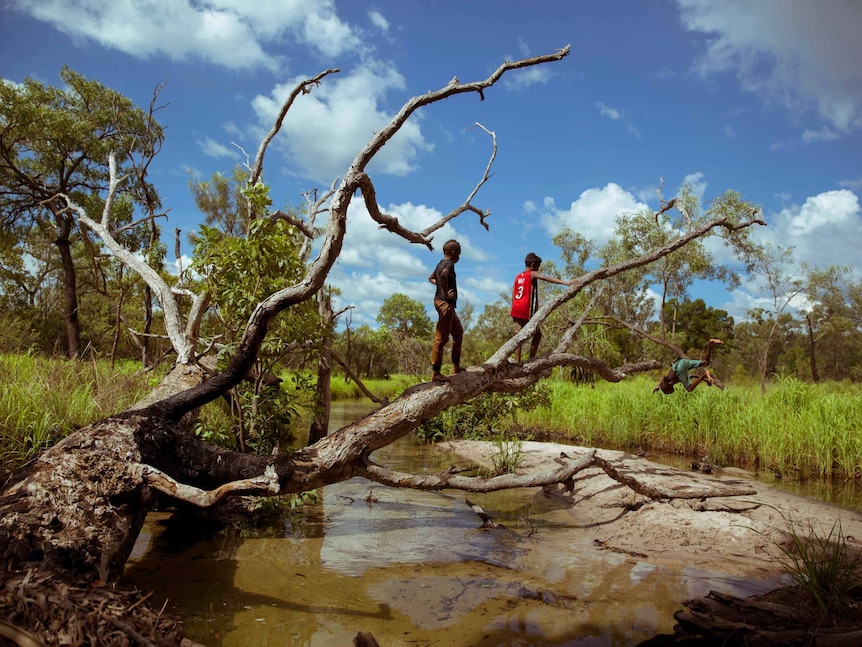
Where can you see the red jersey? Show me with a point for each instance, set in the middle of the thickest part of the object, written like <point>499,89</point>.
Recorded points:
<point>524,295</point>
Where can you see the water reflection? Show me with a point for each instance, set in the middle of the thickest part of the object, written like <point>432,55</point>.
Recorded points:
<point>413,568</point>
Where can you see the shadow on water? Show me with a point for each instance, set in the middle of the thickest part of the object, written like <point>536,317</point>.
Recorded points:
<point>412,568</point>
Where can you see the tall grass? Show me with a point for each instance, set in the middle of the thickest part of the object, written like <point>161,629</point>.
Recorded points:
<point>42,400</point>
<point>382,388</point>
<point>795,430</point>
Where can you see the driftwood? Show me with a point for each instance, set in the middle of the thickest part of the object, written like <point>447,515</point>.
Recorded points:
<point>782,617</point>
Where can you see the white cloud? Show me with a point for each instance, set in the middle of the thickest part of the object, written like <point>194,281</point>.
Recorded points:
<point>327,128</point>
<point>230,33</point>
<point>616,115</point>
<point>823,135</point>
<point>212,148</point>
<point>801,54</point>
<point>374,264</point>
<point>593,213</point>
<point>851,184</point>
<point>821,214</point>
<point>606,111</point>
<point>378,20</point>
<point>526,77</point>
<point>697,182</point>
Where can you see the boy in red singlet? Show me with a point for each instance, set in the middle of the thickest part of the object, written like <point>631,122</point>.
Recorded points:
<point>525,299</point>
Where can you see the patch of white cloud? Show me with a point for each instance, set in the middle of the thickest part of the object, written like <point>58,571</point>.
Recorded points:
<point>378,20</point>
<point>825,134</point>
<point>487,285</point>
<point>616,115</point>
<point>375,264</point>
<point>593,214</point>
<point>235,34</point>
<point>606,111</point>
<point>824,230</point>
<point>832,211</point>
<point>801,54</point>
<point>855,184</point>
<point>212,148</point>
<point>698,184</point>
<point>325,129</point>
<point>526,77</point>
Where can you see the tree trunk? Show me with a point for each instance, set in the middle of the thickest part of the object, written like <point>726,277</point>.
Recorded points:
<point>812,349</point>
<point>148,326</point>
<point>70,286</point>
<point>322,406</point>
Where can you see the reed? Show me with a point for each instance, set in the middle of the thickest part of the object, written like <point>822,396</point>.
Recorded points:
<point>382,388</point>
<point>42,400</point>
<point>796,430</point>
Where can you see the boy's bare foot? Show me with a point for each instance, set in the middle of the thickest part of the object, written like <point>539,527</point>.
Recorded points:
<point>436,376</point>
<point>713,342</point>
<point>708,378</point>
<point>458,369</point>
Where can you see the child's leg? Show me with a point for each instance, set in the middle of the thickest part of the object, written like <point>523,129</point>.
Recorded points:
<point>457,331</point>
<point>441,336</point>
<point>534,344</point>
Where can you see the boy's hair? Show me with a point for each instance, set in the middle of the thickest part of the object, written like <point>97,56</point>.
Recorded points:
<point>451,246</point>
<point>532,260</point>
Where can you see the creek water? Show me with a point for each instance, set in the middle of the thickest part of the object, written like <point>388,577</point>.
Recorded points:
<point>413,568</point>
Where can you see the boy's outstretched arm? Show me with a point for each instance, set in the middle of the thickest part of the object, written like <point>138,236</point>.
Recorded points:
<point>551,279</point>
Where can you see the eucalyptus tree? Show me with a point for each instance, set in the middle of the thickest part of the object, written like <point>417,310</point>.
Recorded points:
<point>832,332</point>
<point>77,509</point>
<point>56,141</point>
<point>783,282</point>
<point>410,331</point>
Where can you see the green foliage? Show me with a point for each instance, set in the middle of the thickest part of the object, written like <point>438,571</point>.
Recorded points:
<point>58,140</point>
<point>368,352</point>
<point>694,324</point>
<point>405,317</point>
<point>483,416</point>
<point>258,417</point>
<point>507,454</point>
<point>824,567</point>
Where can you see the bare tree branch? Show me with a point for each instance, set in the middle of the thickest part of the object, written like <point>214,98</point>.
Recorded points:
<point>183,344</point>
<point>303,87</point>
<point>265,484</point>
<point>612,270</point>
<point>450,481</point>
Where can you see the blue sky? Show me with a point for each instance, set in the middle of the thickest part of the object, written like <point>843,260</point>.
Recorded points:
<point>763,97</point>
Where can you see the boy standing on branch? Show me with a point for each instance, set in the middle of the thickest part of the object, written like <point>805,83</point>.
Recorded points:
<point>525,299</point>
<point>445,300</point>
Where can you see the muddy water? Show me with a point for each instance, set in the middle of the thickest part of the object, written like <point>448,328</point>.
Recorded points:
<point>412,568</point>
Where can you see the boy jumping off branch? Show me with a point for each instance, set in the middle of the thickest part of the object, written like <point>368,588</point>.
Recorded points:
<point>680,368</point>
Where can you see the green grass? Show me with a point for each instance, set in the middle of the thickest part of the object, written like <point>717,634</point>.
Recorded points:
<point>796,430</point>
<point>43,400</point>
<point>390,388</point>
<point>824,568</point>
